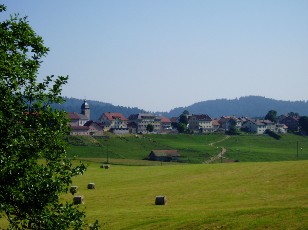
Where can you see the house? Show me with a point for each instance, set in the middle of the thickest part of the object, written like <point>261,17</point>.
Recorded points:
<point>281,128</point>
<point>258,126</point>
<point>80,130</point>
<point>241,120</point>
<point>164,155</point>
<point>201,123</point>
<point>292,122</point>
<point>165,123</point>
<point>95,128</point>
<point>79,119</point>
<point>215,124</point>
<point>141,120</point>
<point>227,121</point>
<point>114,122</point>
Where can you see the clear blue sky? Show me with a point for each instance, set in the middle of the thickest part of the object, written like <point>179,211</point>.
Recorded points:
<point>162,54</point>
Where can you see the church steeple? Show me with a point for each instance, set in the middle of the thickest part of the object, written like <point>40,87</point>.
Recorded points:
<point>85,109</point>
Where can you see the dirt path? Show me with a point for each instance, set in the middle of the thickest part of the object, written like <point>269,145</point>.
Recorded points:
<point>220,154</point>
<point>213,143</point>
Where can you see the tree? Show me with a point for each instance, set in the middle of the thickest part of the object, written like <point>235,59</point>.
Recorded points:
<point>181,127</point>
<point>303,123</point>
<point>183,122</point>
<point>186,112</point>
<point>183,119</point>
<point>271,115</point>
<point>292,114</point>
<point>34,167</point>
<point>150,128</point>
<point>232,128</point>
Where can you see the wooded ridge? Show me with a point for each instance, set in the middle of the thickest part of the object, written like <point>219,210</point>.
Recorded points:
<point>249,106</point>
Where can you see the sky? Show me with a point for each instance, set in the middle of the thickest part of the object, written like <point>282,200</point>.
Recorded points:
<point>161,54</point>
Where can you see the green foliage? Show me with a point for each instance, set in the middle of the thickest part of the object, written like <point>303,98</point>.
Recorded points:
<point>183,119</point>
<point>273,134</point>
<point>232,128</point>
<point>303,123</point>
<point>150,128</point>
<point>30,130</point>
<point>271,115</point>
<point>181,127</point>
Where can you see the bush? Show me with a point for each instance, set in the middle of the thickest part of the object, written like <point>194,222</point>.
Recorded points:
<point>273,134</point>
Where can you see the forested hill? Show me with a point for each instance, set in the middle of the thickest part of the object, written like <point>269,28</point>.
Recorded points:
<point>250,106</point>
<point>97,108</point>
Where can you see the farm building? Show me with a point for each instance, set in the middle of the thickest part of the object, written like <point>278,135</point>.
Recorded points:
<point>164,155</point>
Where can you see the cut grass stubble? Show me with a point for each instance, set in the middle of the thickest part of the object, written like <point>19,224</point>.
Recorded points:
<point>243,196</point>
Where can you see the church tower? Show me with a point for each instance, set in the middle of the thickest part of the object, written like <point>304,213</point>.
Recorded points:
<point>85,109</point>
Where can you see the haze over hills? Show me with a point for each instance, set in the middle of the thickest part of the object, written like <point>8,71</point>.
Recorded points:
<point>249,106</point>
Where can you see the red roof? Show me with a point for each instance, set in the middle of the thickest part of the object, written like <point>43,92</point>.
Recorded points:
<point>215,122</point>
<point>165,120</point>
<point>73,116</point>
<point>113,116</point>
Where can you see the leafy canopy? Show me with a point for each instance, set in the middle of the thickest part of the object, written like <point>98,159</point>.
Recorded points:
<point>271,115</point>
<point>34,168</point>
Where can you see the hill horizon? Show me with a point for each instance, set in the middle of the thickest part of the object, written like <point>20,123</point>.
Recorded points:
<point>247,106</point>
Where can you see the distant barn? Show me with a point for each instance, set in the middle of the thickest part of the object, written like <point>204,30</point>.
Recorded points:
<point>164,155</point>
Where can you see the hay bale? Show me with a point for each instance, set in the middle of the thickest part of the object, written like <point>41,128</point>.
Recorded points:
<point>78,200</point>
<point>91,186</point>
<point>106,166</point>
<point>160,200</point>
<point>73,189</point>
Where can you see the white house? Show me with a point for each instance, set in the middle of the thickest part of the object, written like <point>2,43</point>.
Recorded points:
<point>200,123</point>
<point>258,126</point>
<point>141,120</point>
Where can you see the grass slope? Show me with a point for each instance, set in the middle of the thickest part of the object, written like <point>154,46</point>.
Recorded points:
<point>264,148</point>
<point>216,196</point>
<point>193,148</point>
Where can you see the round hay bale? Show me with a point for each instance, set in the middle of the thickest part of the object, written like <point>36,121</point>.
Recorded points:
<point>78,200</point>
<point>160,200</point>
<point>73,189</point>
<point>106,166</point>
<point>91,186</point>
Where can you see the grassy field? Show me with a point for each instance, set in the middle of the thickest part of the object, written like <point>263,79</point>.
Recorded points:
<point>260,195</point>
<point>199,196</point>
<point>264,148</point>
<point>193,148</point>
<point>267,189</point>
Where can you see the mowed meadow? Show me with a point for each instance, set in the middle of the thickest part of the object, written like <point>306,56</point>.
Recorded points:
<point>267,188</point>
<point>199,196</point>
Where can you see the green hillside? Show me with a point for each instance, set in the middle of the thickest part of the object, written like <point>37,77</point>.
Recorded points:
<point>193,148</point>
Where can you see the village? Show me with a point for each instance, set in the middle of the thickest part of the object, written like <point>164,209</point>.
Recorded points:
<point>116,123</point>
